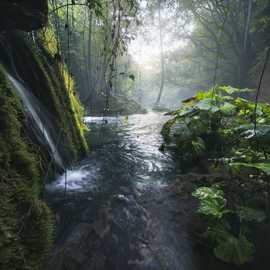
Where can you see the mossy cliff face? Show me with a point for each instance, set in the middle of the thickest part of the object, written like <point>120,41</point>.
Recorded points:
<point>26,224</point>
<point>25,220</point>
<point>50,83</point>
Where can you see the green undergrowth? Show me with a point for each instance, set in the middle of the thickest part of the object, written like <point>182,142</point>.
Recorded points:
<point>25,220</point>
<point>229,135</point>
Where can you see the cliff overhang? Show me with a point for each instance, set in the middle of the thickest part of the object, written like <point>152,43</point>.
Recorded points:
<point>25,15</point>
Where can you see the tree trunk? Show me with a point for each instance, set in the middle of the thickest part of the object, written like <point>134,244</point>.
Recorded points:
<point>249,8</point>
<point>89,59</point>
<point>245,54</point>
<point>161,55</point>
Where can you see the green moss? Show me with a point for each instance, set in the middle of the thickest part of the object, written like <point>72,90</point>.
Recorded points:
<point>63,92</point>
<point>67,108</point>
<point>25,221</point>
<point>52,85</point>
<point>26,226</point>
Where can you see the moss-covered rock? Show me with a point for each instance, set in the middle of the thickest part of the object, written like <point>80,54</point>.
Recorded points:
<point>25,221</point>
<point>52,85</point>
<point>26,225</point>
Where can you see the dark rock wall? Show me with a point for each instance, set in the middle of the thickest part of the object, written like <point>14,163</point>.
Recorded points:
<point>24,15</point>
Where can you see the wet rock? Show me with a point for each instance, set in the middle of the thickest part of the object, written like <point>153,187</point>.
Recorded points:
<point>125,190</point>
<point>151,264</point>
<point>101,228</point>
<point>112,236</point>
<point>148,264</point>
<point>121,198</point>
<point>71,254</point>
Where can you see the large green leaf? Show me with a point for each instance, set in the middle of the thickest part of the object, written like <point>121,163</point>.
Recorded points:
<point>265,167</point>
<point>262,131</point>
<point>207,104</point>
<point>235,250</point>
<point>198,146</point>
<point>232,90</point>
<point>228,108</point>
<point>212,201</point>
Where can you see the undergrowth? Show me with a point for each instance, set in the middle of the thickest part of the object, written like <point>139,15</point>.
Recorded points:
<point>229,135</point>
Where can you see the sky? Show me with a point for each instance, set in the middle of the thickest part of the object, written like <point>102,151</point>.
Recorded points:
<point>145,49</point>
<point>146,53</point>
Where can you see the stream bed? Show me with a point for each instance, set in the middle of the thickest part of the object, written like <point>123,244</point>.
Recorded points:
<point>116,210</point>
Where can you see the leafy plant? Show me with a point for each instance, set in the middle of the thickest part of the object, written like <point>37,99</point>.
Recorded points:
<point>264,167</point>
<point>218,126</point>
<point>228,247</point>
<point>235,250</point>
<point>212,201</point>
<point>220,119</point>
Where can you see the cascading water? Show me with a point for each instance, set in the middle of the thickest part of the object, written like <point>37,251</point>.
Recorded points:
<point>32,108</point>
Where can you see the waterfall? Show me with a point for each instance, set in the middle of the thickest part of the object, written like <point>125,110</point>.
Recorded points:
<point>31,105</point>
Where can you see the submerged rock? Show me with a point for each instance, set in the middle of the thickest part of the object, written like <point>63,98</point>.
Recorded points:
<point>111,241</point>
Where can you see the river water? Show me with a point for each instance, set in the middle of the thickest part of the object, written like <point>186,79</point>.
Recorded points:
<point>116,210</point>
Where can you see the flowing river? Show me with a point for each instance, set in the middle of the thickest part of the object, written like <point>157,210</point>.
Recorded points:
<point>117,209</point>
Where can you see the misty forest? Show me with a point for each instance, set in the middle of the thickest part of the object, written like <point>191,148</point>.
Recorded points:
<point>134,134</point>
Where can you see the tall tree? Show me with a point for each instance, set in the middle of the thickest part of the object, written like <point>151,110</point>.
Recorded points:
<point>162,62</point>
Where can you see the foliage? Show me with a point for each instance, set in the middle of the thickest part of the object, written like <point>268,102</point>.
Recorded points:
<point>235,250</point>
<point>218,121</point>
<point>222,122</point>
<point>264,167</point>
<point>93,38</point>
<point>228,246</point>
<point>212,201</point>
<point>226,44</point>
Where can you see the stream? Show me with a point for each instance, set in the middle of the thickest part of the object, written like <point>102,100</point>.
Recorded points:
<point>116,210</point>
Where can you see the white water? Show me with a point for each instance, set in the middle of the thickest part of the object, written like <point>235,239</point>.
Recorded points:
<point>79,179</point>
<point>100,119</point>
<point>71,180</point>
<point>28,101</point>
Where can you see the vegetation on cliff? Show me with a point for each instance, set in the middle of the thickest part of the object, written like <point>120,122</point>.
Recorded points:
<point>26,226</point>
<point>26,222</point>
